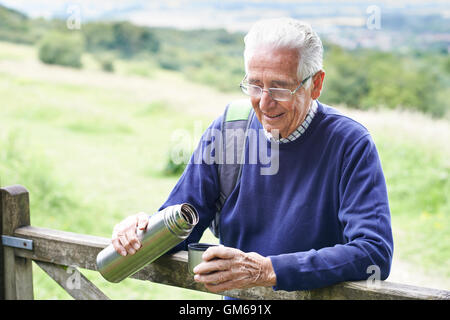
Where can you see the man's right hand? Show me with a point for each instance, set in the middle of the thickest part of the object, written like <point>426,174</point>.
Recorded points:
<point>124,238</point>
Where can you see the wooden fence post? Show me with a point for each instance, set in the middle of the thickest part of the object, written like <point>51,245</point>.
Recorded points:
<point>16,273</point>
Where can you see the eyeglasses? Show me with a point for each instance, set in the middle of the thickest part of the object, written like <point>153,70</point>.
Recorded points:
<point>277,94</point>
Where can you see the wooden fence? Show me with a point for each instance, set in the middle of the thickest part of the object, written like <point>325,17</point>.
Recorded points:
<point>55,251</point>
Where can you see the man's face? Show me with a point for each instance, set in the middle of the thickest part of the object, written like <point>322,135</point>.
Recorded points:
<point>277,68</point>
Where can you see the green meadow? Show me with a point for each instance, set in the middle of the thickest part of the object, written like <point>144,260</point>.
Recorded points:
<point>92,147</point>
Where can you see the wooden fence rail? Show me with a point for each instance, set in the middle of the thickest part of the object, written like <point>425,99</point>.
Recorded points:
<point>56,251</point>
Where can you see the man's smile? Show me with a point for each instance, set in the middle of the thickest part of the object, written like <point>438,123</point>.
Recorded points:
<point>274,116</point>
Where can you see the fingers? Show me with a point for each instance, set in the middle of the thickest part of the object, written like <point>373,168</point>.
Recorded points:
<point>118,246</point>
<point>125,243</point>
<point>215,277</point>
<point>220,252</point>
<point>217,258</point>
<point>223,280</point>
<point>142,220</point>
<point>223,286</point>
<point>124,239</point>
<point>133,241</point>
<point>212,266</point>
<point>226,268</point>
<point>217,272</point>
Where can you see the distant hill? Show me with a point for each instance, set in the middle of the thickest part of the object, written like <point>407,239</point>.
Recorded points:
<point>12,19</point>
<point>10,16</point>
<point>14,25</point>
<point>392,67</point>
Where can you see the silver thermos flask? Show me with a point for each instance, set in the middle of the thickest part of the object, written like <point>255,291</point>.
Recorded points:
<point>165,230</point>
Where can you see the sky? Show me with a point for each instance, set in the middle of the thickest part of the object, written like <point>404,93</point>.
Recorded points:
<point>230,14</point>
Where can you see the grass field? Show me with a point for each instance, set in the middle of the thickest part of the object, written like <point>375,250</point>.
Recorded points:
<point>91,148</point>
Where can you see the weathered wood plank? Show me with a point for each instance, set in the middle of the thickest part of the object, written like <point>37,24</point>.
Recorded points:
<point>17,272</point>
<point>73,281</point>
<point>71,249</point>
<point>61,247</point>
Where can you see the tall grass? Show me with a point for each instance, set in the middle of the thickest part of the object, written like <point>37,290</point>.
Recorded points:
<point>418,181</point>
<point>56,202</point>
<point>89,157</point>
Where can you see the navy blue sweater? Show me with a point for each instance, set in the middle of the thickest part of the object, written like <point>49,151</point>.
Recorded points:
<point>322,219</point>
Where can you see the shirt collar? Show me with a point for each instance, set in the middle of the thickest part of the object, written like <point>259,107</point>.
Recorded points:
<point>301,128</point>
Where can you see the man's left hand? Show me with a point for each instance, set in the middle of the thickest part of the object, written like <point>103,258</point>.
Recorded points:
<point>225,268</point>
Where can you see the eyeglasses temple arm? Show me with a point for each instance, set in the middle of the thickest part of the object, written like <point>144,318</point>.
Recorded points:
<point>300,85</point>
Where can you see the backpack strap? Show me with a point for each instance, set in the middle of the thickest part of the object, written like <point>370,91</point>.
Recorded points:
<point>236,120</point>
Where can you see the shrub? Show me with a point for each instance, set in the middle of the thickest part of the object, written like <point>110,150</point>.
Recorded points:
<point>63,49</point>
<point>106,62</point>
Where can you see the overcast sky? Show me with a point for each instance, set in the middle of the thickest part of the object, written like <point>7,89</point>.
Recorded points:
<point>230,14</point>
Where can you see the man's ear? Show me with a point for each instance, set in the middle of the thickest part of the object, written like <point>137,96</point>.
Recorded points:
<point>317,84</point>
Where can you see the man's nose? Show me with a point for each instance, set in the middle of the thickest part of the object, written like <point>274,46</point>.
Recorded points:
<point>266,101</point>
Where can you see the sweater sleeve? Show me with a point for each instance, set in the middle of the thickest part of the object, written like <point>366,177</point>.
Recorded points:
<point>365,218</point>
<point>199,184</point>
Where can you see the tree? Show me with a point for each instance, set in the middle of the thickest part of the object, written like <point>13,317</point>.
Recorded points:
<point>63,49</point>
<point>130,39</point>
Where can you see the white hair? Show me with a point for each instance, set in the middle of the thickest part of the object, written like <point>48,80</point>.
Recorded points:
<point>291,34</point>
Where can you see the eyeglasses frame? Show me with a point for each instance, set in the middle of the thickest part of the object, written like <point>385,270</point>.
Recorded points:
<point>241,85</point>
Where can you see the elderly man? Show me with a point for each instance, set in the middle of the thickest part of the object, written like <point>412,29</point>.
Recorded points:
<point>323,217</point>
